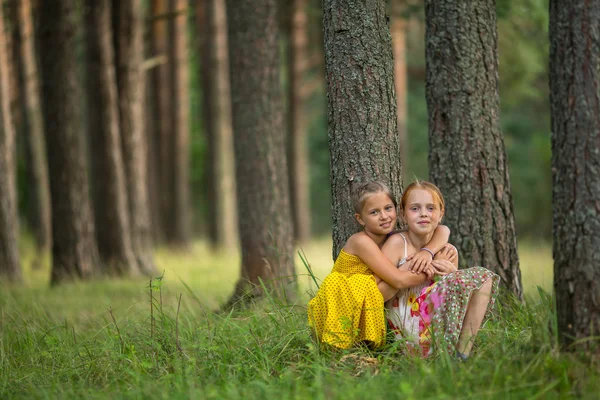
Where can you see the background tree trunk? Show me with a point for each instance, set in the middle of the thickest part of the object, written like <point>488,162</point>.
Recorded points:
<point>574,99</point>
<point>128,18</point>
<point>363,135</point>
<point>178,216</point>
<point>74,250</point>
<point>298,154</point>
<point>265,227</point>
<point>222,212</point>
<point>113,231</point>
<point>10,265</point>
<point>398,29</point>
<point>467,159</point>
<point>38,205</point>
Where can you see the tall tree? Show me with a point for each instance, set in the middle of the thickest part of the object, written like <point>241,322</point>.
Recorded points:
<point>39,213</point>
<point>113,232</point>
<point>265,226</point>
<point>363,135</point>
<point>128,18</point>
<point>574,100</point>
<point>177,215</point>
<point>10,265</point>
<point>467,159</point>
<point>298,147</point>
<point>222,213</point>
<point>74,250</point>
<point>398,28</point>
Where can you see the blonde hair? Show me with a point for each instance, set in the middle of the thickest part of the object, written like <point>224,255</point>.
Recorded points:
<point>366,190</point>
<point>438,199</point>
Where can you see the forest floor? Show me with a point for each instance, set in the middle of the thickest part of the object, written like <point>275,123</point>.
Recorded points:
<point>107,339</point>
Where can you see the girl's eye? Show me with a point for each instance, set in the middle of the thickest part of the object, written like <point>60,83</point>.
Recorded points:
<point>388,208</point>
<point>430,208</point>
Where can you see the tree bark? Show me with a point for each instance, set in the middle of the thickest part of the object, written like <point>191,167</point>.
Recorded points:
<point>178,216</point>
<point>362,118</point>
<point>128,18</point>
<point>10,264</point>
<point>467,158</point>
<point>113,231</point>
<point>38,206</point>
<point>298,155</point>
<point>265,227</point>
<point>575,115</point>
<point>222,212</point>
<point>398,29</point>
<point>74,250</point>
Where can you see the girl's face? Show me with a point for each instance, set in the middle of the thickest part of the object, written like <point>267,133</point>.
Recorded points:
<point>378,214</point>
<point>421,212</point>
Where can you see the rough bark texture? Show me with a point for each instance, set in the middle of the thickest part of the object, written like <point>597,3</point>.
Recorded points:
<point>128,18</point>
<point>575,113</point>
<point>10,265</point>
<point>398,30</point>
<point>39,212</point>
<point>177,212</point>
<point>265,226</point>
<point>298,154</point>
<point>467,159</point>
<point>222,213</point>
<point>363,135</point>
<point>74,250</point>
<point>113,232</point>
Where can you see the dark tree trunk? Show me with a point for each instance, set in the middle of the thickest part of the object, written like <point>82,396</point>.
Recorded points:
<point>129,31</point>
<point>38,205</point>
<point>74,250</point>
<point>363,135</point>
<point>113,232</point>
<point>222,212</point>
<point>298,154</point>
<point>265,226</point>
<point>575,113</point>
<point>10,265</point>
<point>398,29</point>
<point>467,159</point>
<point>177,222</point>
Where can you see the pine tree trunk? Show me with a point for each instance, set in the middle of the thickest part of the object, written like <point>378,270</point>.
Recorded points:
<point>467,159</point>
<point>298,155</point>
<point>74,250</point>
<point>113,231</point>
<point>10,265</point>
<point>222,213</point>
<point>398,29</point>
<point>177,223</point>
<point>39,213</point>
<point>265,226</point>
<point>129,30</point>
<point>363,135</point>
<point>574,99</point>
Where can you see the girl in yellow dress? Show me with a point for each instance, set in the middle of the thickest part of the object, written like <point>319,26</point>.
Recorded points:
<point>348,308</point>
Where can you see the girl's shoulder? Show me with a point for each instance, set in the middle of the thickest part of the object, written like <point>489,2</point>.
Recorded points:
<point>397,237</point>
<point>355,242</point>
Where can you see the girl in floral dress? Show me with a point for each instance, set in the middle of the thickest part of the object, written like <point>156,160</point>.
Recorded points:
<point>448,309</point>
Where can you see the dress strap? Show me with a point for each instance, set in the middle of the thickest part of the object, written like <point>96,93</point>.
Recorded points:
<point>405,245</point>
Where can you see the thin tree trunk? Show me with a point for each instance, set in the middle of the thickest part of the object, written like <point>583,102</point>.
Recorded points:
<point>177,224</point>
<point>113,231</point>
<point>222,213</point>
<point>298,155</point>
<point>265,228</point>
<point>10,264</point>
<point>39,212</point>
<point>363,132</point>
<point>575,113</point>
<point>467,158</point>
<point>398,28</point>
<point>74,250</point>
<point>129,31</point>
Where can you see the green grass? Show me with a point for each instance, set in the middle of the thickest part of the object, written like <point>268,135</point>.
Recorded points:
<point>98,340</point>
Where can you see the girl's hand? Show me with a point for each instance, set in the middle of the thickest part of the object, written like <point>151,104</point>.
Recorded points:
<point>420,260</point>
<point>443,267</point>
<point>448,252</point>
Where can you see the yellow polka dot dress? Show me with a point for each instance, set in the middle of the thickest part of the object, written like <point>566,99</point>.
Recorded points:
<point>348,308</point>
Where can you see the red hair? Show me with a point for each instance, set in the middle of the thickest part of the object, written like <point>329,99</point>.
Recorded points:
<point>438,199</point>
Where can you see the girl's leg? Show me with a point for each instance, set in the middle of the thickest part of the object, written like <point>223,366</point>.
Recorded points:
<point>478,304</point>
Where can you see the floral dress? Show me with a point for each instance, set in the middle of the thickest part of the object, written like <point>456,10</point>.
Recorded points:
<point>436,309</point>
